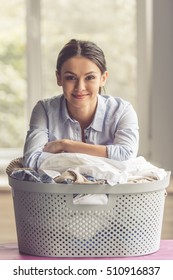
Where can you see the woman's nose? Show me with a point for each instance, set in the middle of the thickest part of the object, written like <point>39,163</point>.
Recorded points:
<point>80,85</point>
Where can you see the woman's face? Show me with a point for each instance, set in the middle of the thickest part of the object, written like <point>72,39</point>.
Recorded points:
<point>81,80</point>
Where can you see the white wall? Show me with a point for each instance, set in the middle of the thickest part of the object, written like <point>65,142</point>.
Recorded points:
<point>161,106</point>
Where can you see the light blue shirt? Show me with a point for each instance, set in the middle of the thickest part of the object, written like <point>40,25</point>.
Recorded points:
<point>115,125</point>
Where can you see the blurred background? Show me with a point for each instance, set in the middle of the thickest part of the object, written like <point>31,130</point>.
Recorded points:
<point>136,37</point>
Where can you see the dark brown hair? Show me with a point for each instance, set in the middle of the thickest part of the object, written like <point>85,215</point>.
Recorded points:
<point>86,49</point>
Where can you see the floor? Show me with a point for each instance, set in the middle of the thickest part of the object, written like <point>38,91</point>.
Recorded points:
<point>7,219</point>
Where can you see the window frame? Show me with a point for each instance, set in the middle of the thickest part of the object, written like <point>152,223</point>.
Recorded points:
<point>33,54</point>
<point>144,73</point>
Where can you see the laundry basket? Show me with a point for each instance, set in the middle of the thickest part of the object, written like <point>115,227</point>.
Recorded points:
<point>49,224</point>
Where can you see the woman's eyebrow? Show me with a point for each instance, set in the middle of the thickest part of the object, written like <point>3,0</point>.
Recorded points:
<point>91,72</point>
<point>88,73</point>
<point>69,72</point>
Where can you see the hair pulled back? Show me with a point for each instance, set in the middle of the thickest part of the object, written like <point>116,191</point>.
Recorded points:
<point>85,49</point>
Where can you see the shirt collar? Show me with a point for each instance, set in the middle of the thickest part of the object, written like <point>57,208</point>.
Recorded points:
<point>98,120</point>
<point>65,114</point>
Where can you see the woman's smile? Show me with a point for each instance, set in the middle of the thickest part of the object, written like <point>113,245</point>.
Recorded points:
<point>80,95</point>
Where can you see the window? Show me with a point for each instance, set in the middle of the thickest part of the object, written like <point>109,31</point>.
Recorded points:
<point>13,74</point>
<point>12,82</point>
<point>32,34</point>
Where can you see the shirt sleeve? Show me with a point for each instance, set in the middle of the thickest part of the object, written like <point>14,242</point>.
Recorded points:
<point>126,138</point>
<point>37,136</point>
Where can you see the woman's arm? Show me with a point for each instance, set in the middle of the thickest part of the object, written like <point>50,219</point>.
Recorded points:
<point>126,140</point>
<point>70,146</point>
<point>124,144</point>
<point>118,139</point>
<point>37,136</point>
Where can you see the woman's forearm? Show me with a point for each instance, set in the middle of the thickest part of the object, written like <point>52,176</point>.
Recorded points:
<point>70,146</point>
<point>85,148</point>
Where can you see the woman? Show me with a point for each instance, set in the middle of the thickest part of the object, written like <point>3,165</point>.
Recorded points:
<point>81,120</point>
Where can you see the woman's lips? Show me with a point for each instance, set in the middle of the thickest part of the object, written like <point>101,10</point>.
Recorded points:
<point>80,96</point>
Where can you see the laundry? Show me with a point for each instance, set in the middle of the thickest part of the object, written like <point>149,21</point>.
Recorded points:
<point>97,167</point>
<point>112,171</point>
<point>76,168</point>
<point>68,177</point>
<point>141,179</point>
<point>71,176</point>
<point>91,199</point>
<point>73,165</point>
<point>31,175</point>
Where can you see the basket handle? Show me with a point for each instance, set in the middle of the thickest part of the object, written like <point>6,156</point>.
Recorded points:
<point>91,205</point>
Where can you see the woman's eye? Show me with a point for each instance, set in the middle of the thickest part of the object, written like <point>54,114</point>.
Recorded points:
<point>70,78</point>
<point>90,77</point>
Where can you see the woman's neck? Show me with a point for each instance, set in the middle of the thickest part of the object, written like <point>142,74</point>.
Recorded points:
<point>83,115</point>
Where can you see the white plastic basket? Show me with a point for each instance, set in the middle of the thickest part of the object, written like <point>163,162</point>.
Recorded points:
<point>49,224</point>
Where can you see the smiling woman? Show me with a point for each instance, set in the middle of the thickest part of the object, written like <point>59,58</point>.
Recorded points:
<point>81,80</point>
<point>81,120</point>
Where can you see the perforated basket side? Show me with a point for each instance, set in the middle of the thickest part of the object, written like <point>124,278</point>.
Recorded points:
<point>48,226</point>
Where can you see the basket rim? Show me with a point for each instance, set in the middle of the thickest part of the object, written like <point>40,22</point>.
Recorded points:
<point>128,188</point>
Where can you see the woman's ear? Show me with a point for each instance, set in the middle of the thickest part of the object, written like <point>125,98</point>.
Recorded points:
<point>103,78</point>
<point>58,78</point>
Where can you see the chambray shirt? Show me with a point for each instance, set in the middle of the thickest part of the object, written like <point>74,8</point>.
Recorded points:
<point>115,125</point>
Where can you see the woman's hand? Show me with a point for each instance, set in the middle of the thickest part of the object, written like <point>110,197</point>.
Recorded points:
<point>54,146</point>
<point>71,146</point>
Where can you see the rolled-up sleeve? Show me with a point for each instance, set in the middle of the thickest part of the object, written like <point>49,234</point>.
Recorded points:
<point>126,138</point>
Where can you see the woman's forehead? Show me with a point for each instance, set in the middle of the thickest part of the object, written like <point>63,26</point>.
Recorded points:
<point>78,64</point>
